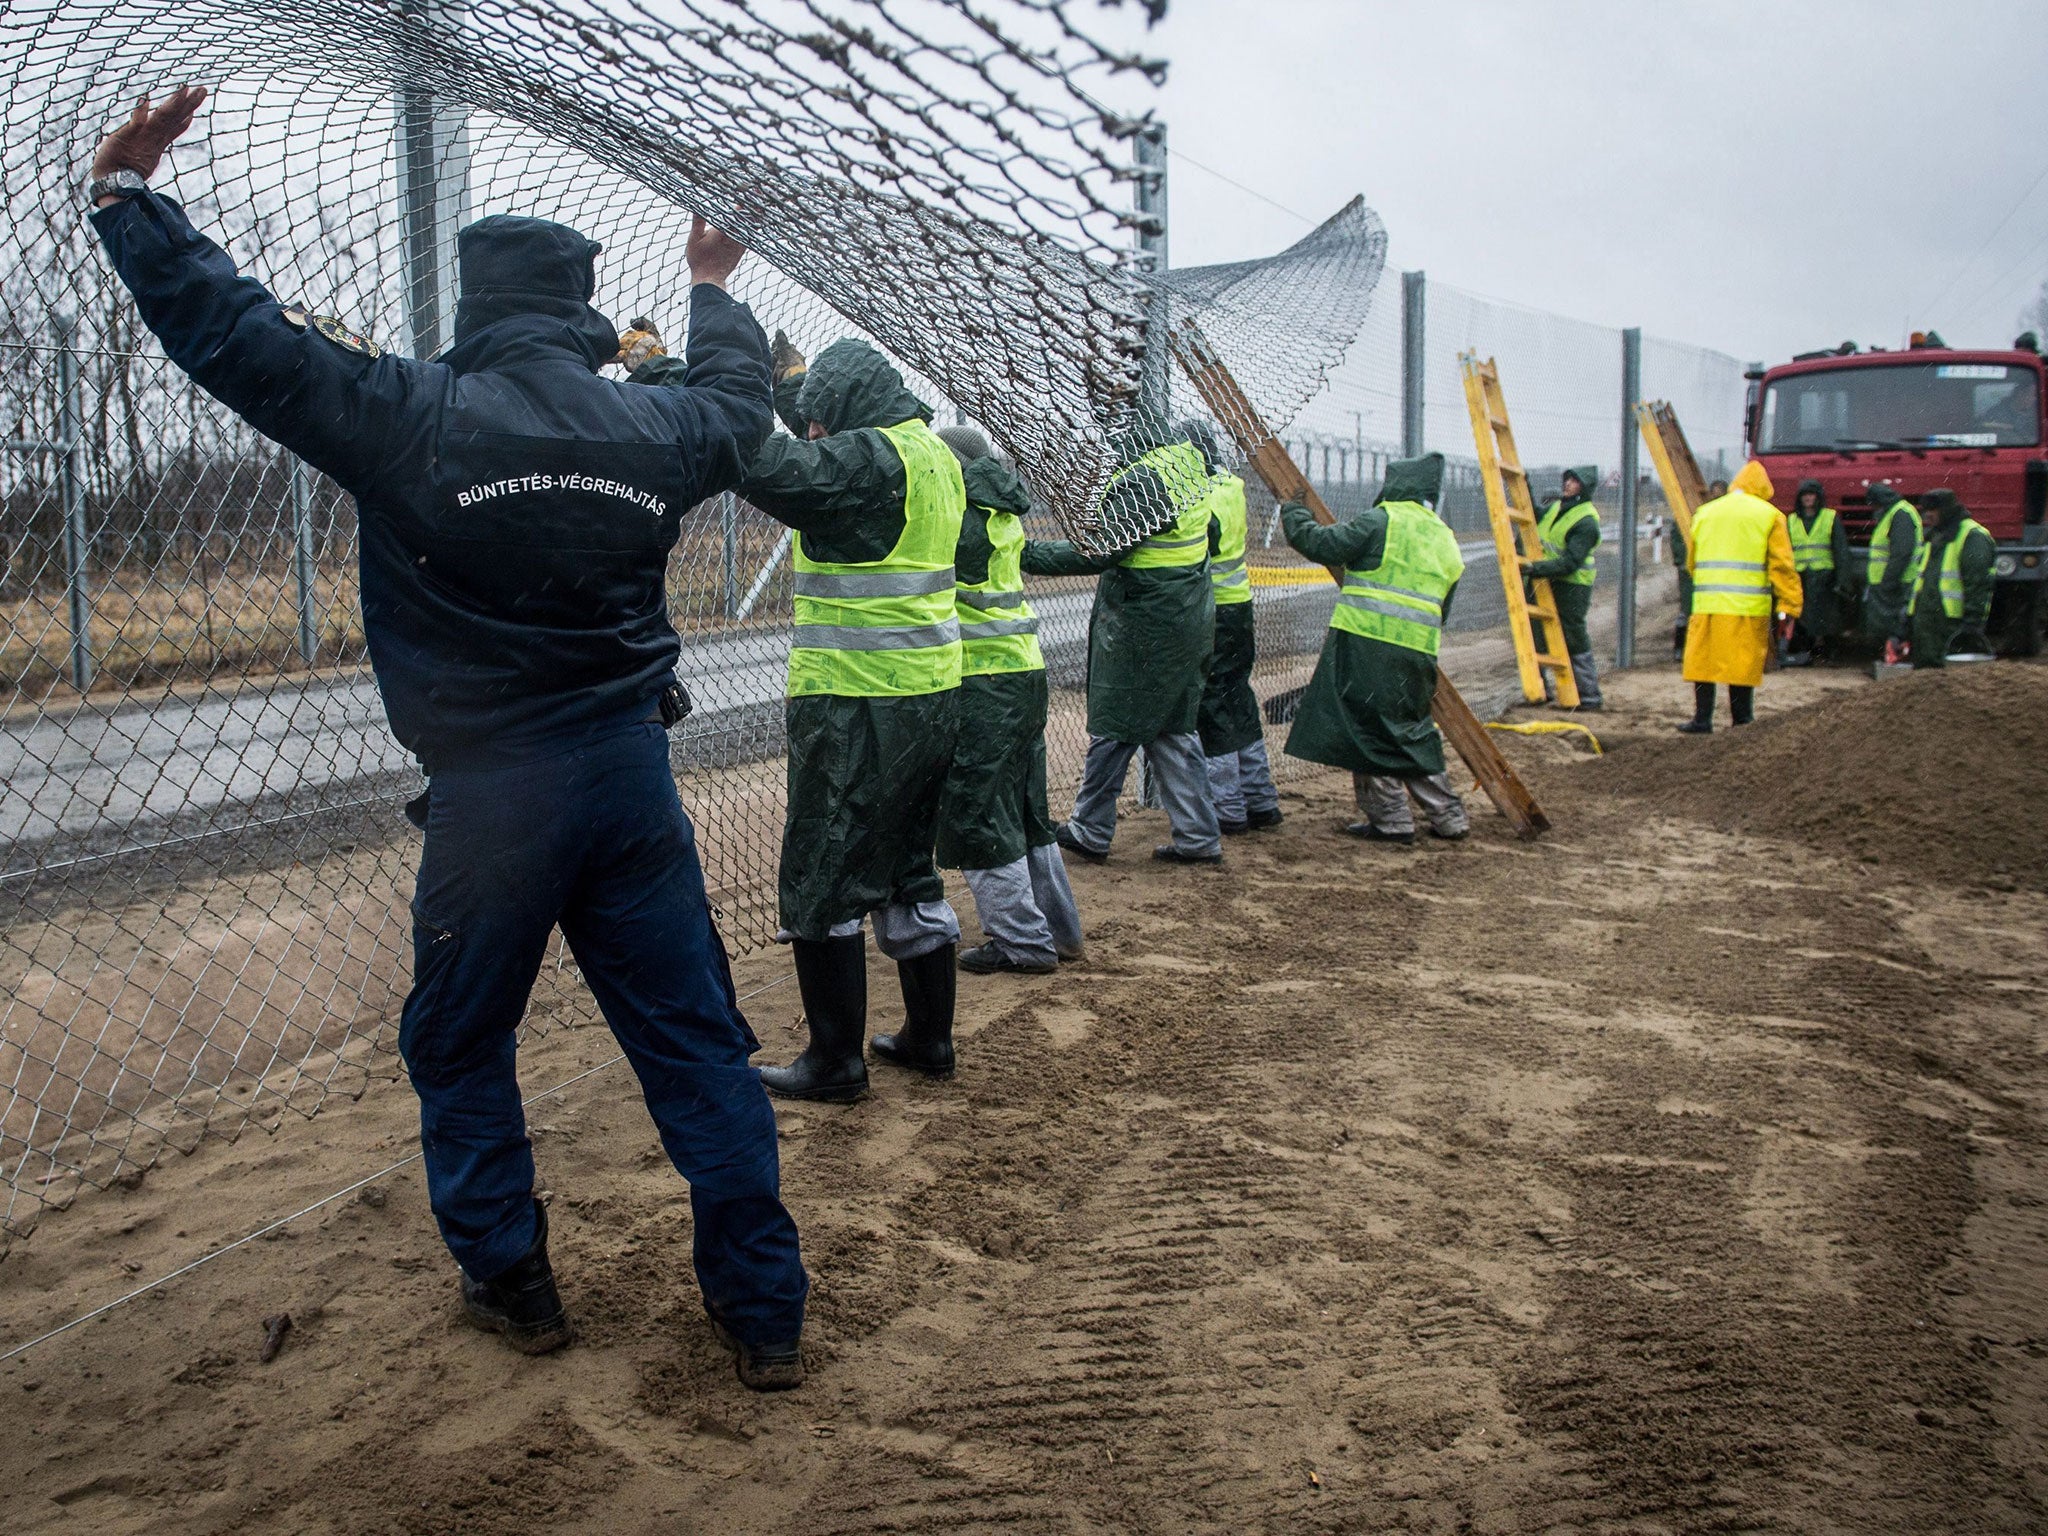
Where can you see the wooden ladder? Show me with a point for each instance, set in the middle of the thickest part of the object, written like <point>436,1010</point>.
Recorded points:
<point>1267,455</point>
<point>1513,513</point>
<point>1678,471</point>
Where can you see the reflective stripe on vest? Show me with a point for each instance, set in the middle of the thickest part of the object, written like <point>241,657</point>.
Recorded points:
<point>1552,528</point>
<point>998,630</point>
<point>1881,537</point>
<point>1951,581</point>
<point>1227,576</point>
<point>1185,540</point>
<point>1731,539</point>
<point>1401,600</point>
<point>886,628</point>
<point>1813,544</point>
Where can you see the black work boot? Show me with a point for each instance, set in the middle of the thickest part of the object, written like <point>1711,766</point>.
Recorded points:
<point>925,1043</point>
<point>522,1303</point>
<point>1373,834</point>
<point>764,1367</point>
<point>1065,835</point>
<point>832,976</point>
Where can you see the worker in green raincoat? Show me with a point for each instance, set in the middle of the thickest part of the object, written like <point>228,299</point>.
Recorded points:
<point>1889,564</point>
<point>1149,642</point>
<point>1952,583</point>
<point>1820,549</point>
<point>1368,706</point>
<point>993,823</point>
<point>1570,531</point>
<point>874,685</point>
<point>1233,737</point>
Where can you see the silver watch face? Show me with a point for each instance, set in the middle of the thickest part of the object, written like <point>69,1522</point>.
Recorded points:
<point>122,181</point>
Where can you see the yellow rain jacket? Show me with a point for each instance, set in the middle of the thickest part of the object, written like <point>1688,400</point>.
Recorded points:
<point>1732,647</point>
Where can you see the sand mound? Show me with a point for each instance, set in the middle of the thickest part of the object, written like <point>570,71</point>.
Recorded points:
<point>1939,774</point>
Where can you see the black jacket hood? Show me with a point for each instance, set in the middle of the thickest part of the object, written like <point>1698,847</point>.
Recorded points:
<point>1820,497</point>
<point>526,291</point>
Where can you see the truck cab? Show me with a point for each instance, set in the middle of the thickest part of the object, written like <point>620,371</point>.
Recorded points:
<point>1975,422</point>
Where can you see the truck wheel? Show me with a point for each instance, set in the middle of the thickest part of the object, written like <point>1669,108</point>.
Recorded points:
<point>2019,614</point>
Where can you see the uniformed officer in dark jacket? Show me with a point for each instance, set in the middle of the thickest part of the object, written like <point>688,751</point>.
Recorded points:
<point>517,514</point>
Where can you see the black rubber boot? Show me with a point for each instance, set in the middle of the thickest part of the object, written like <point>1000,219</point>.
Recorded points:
<point>522,1303</point>
<point>832,976</point>
<point>925,1043</point>
<point>1702,721</point>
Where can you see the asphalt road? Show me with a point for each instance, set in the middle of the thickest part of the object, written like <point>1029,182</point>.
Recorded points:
<point>107,777</point>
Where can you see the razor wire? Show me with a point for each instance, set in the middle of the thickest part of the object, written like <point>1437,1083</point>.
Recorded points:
<point>204,898</point>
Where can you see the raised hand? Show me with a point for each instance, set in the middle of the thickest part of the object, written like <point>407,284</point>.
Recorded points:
<point>783,357</point>
<point>711,253</point>
<point>138,145</point>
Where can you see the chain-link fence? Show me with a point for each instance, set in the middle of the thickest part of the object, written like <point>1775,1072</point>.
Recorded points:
<point>203,904</point>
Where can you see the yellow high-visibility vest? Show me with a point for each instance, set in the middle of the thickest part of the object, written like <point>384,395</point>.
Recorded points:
<point>888,627</point>
<point>1813,544</point>
<point>1731,540</point>
<point>1401,600</point>
<point>998,630</point>
<point>1227,576</point>
<point>1185,540</point>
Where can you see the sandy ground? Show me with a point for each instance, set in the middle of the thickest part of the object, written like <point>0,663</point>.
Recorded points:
<point>1659,1177</point>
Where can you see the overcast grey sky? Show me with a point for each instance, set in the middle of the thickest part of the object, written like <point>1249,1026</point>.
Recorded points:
<point>1763,178</point>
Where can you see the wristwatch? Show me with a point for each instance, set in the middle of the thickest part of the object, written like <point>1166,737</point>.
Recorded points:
<point>121,183</point>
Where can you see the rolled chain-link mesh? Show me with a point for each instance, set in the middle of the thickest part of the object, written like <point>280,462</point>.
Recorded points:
<point>204,900</point>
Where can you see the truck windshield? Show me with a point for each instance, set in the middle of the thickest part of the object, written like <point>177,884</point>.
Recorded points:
<point>1929,405</point>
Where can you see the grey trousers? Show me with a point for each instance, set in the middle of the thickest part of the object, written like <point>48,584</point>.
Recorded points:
<point>1242,781</point>
<point>1586,673</point>
<point>1027,908</point>
<point>1183,776</point>
<point>1384,799</point>
<point>903,930</point>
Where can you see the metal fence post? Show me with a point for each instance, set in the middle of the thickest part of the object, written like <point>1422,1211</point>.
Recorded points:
<point>729,531</point>
<point>302,561</point>
<point>433,189</point>
<point>1154,392</point>
<point>1155,388</point>
<point>77,543</point>
<point>1625,597</point>
<point>1413,305</point>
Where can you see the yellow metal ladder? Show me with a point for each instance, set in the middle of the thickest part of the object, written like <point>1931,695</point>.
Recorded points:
<point>1513,513</point>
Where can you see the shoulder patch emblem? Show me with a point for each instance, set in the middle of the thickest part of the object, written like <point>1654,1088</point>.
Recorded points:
<point>345,338</point>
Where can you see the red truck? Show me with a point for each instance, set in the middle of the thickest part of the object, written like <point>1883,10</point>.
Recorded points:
<point>1928,416</point>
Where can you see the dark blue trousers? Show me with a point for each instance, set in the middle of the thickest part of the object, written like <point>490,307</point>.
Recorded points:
<point>594,840</point>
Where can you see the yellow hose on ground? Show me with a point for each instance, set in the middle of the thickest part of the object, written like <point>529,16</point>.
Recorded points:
<point>1545,728</point>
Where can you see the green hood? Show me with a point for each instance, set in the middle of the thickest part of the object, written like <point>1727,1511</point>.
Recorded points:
<point>1146,432</point>
<point>1946,505</point>
<point>1203,436</point>
<point>1589,478</point>
<point>1881,496</point>
<point>1414,480</point>
<point>994,485</point>
<point>851,385</point>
